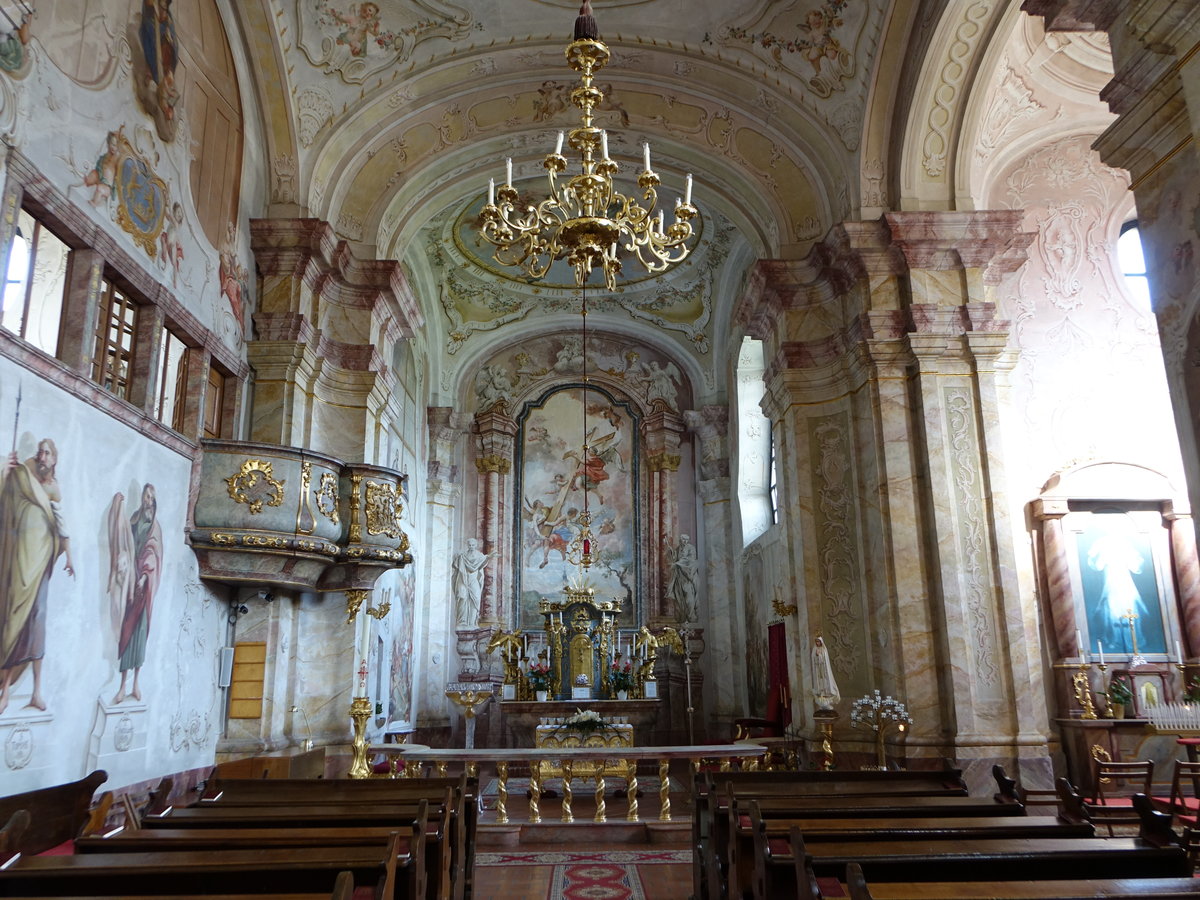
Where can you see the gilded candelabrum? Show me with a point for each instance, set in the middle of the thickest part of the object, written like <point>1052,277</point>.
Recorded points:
<point>585,220</point>
<point>1082,685</point>
<point>556,632</point>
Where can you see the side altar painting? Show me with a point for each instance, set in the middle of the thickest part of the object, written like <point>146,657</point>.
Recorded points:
<point>553,475</point>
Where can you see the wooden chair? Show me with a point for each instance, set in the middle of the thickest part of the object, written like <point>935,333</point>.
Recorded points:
<point>1116,783</point>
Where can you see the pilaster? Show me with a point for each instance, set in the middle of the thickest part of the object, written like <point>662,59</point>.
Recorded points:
<point>326,323</point>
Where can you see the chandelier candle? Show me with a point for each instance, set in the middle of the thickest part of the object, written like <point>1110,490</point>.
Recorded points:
<point>584,218</point>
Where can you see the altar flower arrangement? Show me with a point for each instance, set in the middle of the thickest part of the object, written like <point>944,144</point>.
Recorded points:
<point>586,721</point>
<point>878,713</point>
<point>539,676</point>
<point>621,676</point>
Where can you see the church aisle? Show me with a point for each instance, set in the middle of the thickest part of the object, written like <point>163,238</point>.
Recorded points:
<point>621,871</point>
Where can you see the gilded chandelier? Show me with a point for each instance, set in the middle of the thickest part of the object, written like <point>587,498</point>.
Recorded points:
<point>586,219</point>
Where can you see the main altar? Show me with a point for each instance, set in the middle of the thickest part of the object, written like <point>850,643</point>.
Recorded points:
<point>581,659</point>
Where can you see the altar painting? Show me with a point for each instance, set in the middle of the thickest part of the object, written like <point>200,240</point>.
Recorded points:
<point>1120,578</point>
<point>551,477</point>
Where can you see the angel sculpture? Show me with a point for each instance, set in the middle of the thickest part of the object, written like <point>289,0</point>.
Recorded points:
<point>661,384</point>
<point>509,644</point>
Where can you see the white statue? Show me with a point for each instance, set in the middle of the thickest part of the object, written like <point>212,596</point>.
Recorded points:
<point>466,583</point>
<point>824,688</point>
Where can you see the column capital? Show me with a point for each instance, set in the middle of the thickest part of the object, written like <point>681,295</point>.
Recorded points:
<point>988,239</point>
<point>493,463</point>
<point>308,250</point>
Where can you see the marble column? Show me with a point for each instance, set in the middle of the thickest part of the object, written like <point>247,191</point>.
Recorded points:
<point>721,613</point>
<point>662,431</point>
<point>1058,575</point>
<point>496,434</point>
<point>1187,575</point>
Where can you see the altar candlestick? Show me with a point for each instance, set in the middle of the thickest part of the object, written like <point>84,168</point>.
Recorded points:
<point>1100,647</point>
<point>1079,644</point>
<point>1178,652</point>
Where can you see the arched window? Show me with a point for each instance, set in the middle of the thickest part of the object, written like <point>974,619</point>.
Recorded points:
<point>1133,263</point>
<point>755,448</point>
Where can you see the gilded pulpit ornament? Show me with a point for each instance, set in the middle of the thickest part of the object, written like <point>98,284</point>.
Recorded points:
<point>306,522</point>
<point>354,602</point>
<point>384,509</point>
<point>381,610</point>
<point>355,504</point>
<point>327,497</point>
<point>254,484</point>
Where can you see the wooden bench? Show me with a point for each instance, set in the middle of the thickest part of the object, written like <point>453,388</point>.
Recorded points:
<point>413,862</point>
<point>56,814</point>
<point>425,830</point>
<point>721,835</point>
<point>1063,889</point>
<point>983,859</point>
<point>246,872</point>
<point>754,838</point>
<point>460,830</point>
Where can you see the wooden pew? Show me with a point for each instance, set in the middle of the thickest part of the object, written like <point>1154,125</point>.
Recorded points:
<point>260,793</point>
<point>1064,889</point>
<point>916,783</point>
<point>343,889</point>
<point>744,855</point>
<point>425,828</point>
<point>246,872</point>
<point>987,859</point>
<point>289,791</point>
<point>56,814</point>
<point>874,809</point>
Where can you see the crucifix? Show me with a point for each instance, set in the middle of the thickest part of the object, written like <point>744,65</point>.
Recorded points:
<point>1136,659</point>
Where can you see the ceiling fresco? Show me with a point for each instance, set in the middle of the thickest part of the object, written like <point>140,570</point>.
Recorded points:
<point>401,110</point>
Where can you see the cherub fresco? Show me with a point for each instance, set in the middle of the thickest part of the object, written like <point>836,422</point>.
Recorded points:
<point>12,44</point>
<point>234,277</point>
<point>359,24</point>
<point>170,246</point>
<point>103,175</point>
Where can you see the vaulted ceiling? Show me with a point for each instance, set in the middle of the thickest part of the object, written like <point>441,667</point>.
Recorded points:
<point>386,119</point>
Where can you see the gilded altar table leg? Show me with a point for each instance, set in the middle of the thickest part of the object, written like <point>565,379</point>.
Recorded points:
<point>567,815</point>
<point>726,764</point>
<point>631,787</point>
<point>600,808</point>
<point>535,791</point>
<point>664,790</point>
<point>502,792</point>
<point>472,770</point>
<point>443,768</point>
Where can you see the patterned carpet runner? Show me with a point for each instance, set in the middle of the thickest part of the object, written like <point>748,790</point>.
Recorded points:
<point>603,875</point>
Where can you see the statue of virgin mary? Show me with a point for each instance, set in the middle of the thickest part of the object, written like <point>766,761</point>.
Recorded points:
<point>824,689</point>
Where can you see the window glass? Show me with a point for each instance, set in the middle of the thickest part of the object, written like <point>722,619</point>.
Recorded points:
<point>35,284</point>
<point>1133,263</point>
<point>168,404</point>
<point>112,360</point>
